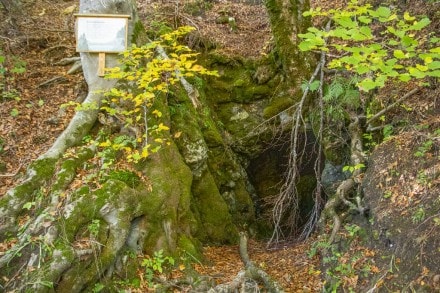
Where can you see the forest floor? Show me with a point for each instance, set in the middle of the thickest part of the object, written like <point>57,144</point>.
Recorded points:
<point>32,117</point>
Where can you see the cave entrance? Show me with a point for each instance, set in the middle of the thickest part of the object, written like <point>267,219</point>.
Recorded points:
<point>267,173</point>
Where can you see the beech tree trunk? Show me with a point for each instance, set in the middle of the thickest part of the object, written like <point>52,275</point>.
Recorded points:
<point>287,22</point>
<point>67,234</point>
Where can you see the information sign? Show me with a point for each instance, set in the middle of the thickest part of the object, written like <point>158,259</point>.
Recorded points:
<point>101,33</point>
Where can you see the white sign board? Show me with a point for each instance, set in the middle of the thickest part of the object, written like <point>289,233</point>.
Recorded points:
<point>101,33</point>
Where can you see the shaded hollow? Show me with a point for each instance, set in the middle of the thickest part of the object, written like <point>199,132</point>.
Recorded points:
<point>267,174</point>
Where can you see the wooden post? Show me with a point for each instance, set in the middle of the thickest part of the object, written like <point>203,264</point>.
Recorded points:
<point>101,64</point>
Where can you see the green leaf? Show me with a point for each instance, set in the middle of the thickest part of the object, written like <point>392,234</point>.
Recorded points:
<point>358,36</point>
<point>314,85</point>
<point>306,46</point>
<point>362,69</point>
<point>367,85</point>
<point>366,31</point>
<point>418,25</point>
<point>14,112</point>
<point>399,54</point>
<point>28,205</point>
<point>18,70</point>
<point>340,32</point>
<point>434,40</point>
<point>407,41</point>
<point>364,19</point>
<point>416,72</point>
<point>393,42</point>
<point>383,11</point>
<point>346,21</point>
<point>435,73</point>
<point>434,65</point>
<point>405,77</point>
<point>422,67</point>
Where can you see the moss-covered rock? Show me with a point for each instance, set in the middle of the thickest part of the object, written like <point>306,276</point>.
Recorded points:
<point>217,224</point>
<point>277,105</point>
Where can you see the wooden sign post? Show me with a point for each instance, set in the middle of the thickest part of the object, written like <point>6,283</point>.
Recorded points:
<point>101,33</point>
<point>101,64</point>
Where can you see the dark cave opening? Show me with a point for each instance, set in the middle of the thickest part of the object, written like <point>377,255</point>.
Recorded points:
<point>267,173</point>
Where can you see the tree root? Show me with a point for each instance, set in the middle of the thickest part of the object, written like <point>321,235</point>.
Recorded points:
<point>348,185</point>
<point>251,272</point>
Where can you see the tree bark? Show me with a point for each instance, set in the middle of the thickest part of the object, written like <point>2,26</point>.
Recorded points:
<point>69,235</point>
<point>287,22</point>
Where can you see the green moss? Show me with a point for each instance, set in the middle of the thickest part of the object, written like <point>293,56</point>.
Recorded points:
<point>84,211</point>
<point>68,168</point>
<point>238,122</point>
<point>256,92</point>
<point>244,207</point>
<point>139,35</point>
<point>41,171</point>
<point>239,83</point>
<point>158,28</point>
<point>197,8</point>
<point>287,21</point>
<point>128,177</point>
<point>167,206</point>
<point>190,247</point>
<point>214,213</point>
<point>214,58</point>
<point>276,106</point>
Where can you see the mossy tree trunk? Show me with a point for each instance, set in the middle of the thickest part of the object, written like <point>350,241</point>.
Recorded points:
<point>68,233</point>
<point>287,22</point>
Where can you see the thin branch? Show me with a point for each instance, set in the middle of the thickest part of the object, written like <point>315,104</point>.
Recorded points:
<point>12,174</point>
<point>318,200</point>
<point>192,92</point>
<point>56,30</point>
<point>383,111</point>
<point>146,125</point>
<point>288,192</point>
<point>57,79</point>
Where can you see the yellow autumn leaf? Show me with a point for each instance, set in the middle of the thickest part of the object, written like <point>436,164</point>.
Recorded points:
<point>162,127</point>
<point>159,140</point>
<point>106,143</point>
<point>422,67</point>
<point>159,87</point>
<point>177,134</point>
<point>407,17</point>
<point>428,60</point>
<point>145,152</point>
<point>181,267</point>
<point>197,67</point>
<point>157,113</point>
